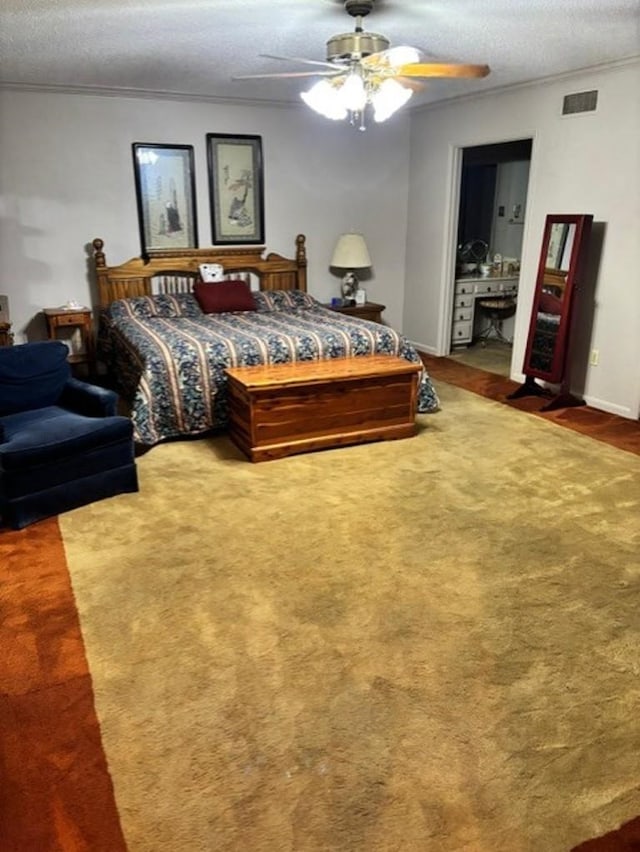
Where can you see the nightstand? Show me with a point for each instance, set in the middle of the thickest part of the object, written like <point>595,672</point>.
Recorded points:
<point>70,320</point>
<point>6,338</point>
<point>369,311</point>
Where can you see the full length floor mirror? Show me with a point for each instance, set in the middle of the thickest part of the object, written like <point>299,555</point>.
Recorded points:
<point>565,244</point>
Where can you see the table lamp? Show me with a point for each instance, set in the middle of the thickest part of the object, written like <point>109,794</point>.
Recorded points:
<point>350,253</point>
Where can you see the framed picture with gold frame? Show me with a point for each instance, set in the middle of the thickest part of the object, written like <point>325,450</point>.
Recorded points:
<point>236,188</point>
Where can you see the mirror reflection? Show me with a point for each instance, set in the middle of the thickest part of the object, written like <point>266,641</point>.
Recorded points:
<point>561,237</point>
<point>552,295</point>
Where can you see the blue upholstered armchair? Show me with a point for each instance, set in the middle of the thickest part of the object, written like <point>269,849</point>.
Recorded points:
<point>61,443</point>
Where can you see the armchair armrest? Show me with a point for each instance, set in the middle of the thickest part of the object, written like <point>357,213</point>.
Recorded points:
<point>90,400</point>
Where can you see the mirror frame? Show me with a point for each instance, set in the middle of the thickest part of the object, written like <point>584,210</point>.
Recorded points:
<point>557,372</point>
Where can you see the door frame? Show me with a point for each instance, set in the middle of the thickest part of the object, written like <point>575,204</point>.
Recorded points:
<point>456,153</point>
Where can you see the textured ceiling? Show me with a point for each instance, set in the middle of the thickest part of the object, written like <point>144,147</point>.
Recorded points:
<point>194,47</point>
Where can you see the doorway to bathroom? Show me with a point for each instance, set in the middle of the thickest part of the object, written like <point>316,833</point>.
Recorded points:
<point>491,213</point>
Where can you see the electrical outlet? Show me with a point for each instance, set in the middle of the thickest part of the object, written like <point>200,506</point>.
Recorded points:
<point>594,358</point>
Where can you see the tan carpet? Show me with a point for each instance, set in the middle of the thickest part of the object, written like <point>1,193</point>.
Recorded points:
<point>429,644</point>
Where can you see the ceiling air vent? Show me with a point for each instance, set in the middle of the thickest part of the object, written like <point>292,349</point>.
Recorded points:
<point>580,102</point>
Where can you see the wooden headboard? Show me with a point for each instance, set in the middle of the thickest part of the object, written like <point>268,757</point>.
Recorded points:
<point>554,280</point>
<point>175,270</point>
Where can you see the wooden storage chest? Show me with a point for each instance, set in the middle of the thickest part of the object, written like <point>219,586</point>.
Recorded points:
<point>281,409</point>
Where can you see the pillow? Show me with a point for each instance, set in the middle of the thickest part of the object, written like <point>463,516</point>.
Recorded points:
<point>283,300</point>
<point>224,296</point>
<point>550,304</point>
<point>161,305</point>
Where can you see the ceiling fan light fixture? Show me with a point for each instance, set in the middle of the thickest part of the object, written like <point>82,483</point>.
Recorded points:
<point>351,95</point>
<point>388,98</point>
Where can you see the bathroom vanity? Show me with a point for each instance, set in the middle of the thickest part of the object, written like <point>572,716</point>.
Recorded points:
<point>469,289</point>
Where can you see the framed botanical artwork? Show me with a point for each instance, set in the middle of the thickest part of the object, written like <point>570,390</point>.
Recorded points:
<point>236,188</point>
<point>165,193</point>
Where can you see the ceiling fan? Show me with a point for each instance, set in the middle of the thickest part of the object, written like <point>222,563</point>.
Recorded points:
<point>362,69</point>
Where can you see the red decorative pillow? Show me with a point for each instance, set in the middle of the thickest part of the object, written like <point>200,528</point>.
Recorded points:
<point>550,304</point>
<point>224,296</point>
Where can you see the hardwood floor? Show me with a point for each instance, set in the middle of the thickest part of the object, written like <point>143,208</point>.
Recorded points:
<point>618,431</point>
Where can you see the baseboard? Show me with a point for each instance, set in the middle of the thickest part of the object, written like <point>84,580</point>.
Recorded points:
<point>428,350</point>
<point>609,407</point>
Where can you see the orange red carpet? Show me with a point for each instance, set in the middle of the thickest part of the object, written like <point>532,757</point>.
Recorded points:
<point>56,793</point>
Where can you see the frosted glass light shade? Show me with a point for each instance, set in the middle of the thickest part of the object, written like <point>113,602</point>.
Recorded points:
<point>389,98</point>
<point>322,98</point>
<point>352,93</point>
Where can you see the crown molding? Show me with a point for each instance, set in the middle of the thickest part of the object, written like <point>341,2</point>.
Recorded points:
<point>529,84</point>
<point>140,94</point>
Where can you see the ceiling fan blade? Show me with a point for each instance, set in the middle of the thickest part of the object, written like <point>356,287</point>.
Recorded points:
<point>285,74</point>
<point>441,69</point>
<point>392,57</point>
<point>297,59</point>
<point>414,85</point>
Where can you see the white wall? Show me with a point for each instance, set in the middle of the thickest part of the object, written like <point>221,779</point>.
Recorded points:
<point>66,176</point>
<point>512,181</point>
<point>581,164</point>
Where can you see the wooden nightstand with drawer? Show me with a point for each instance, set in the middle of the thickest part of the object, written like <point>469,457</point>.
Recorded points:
<point>368,311</point>
<point>75,327</point>
<point>6,338</point>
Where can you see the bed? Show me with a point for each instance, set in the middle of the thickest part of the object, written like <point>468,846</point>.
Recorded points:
<point>167,357</point>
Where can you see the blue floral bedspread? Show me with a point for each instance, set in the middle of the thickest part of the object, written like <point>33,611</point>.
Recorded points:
<point>168,358</point>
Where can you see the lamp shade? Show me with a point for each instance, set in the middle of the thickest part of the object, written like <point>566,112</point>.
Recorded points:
<point>351,252</point>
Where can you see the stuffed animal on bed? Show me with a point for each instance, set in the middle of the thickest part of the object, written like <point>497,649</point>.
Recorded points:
<point>211,272</point>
